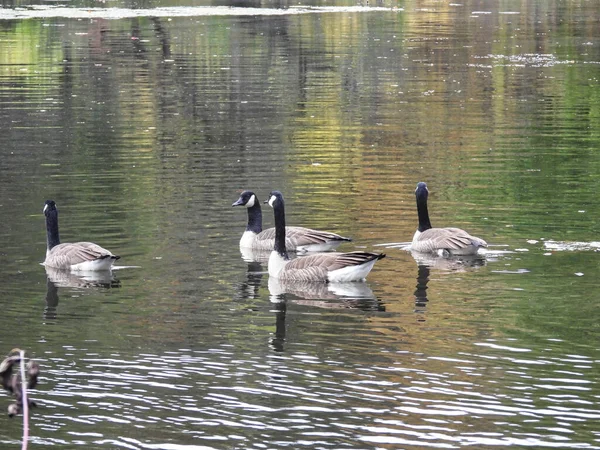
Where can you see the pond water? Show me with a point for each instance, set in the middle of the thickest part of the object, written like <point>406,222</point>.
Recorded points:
<point>144,126</point>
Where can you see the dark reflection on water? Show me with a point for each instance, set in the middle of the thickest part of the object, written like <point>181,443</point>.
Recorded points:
<point>82,280</point>
<point>421,290</point>
<point>333,296</point>
<point>144,129</point>
<point>51,300</point>
<point>250,288</point>
<point>426,263</point>
<point>350,295</point>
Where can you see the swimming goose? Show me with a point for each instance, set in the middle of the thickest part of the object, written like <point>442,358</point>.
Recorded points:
<point>79,256</point>
<point>443,241</point>
<point>334,267</point>
<point>297,239</point>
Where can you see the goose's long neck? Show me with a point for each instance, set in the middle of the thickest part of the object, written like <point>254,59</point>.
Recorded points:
<point>53,238</point>
<point>254,218</point>
<point>424,223</point>
<point>279,211</point>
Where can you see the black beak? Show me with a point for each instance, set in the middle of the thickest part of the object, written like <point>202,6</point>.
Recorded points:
<point>239,202</point>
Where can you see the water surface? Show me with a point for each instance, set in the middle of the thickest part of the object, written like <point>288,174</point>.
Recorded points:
<point>145,127</point>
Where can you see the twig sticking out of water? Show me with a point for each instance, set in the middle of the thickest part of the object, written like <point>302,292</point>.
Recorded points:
<point>18,384</point>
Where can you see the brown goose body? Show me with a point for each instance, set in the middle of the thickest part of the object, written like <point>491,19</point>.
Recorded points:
<point>78,256</point>
<point>335,267</point>
<point>324,267</point>
<point>443,241</point>
<point>82,255</point>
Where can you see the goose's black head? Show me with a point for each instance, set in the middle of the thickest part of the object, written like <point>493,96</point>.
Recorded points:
<point>247,199</point>
<point>275,197</point>
<point>421,192</point>
<point>49,206</point>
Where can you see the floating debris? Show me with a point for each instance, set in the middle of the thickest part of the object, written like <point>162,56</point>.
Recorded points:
<point>13,383</point>
<point>572,246</point>
<point>517,271</point>
<point>526,60</point>
<point>45,12</point>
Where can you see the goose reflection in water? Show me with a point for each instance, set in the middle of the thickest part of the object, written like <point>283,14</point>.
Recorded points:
<point>249,289</point>
<point>426,262</point>
<point>257,267</point>
<point>348,295</point>
<point>66,279</point>
<point>255,256</point>
<point>421,299</point>
<point>451,263</point>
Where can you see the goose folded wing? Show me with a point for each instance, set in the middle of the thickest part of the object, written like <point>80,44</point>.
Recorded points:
<point>461,237</point>
<point>349,259</point>
<point>267,234</point>
<point>306,236</point>
<point>329,262</point>
<point>309,268</point>
<point>448,238</point>
<point>300,236</point>
<point>80,252</point>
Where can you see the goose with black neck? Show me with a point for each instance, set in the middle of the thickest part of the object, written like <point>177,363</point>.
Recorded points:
<point>442,241</point>
<point>298,239</point>
<point>322,267</point>
<point>78,256</point>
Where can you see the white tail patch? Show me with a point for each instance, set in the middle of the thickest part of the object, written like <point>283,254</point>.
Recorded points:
<point>352,273</point>
<point>97,264</point>
<point>322,247</point>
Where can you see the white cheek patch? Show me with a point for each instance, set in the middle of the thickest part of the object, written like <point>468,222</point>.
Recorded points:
<point>272,200</point>
<point>45,208</point>
<point>251,202</point>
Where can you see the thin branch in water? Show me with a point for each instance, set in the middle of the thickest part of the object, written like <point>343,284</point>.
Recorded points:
<point>25,403</point>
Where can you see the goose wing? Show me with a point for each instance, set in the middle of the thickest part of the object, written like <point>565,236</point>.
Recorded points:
<point>316,267</point>
<point>66,255</point>
<point>300,236</point>
<point>447,238</point>
<point>265,235</point>
<point>306,236</point>
<point>464,235</point>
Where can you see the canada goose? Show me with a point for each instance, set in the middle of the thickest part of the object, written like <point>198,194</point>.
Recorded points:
<point>334,267</point>
<point>79,256</point>
<point>443,241</point>
<point>298,239</point>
